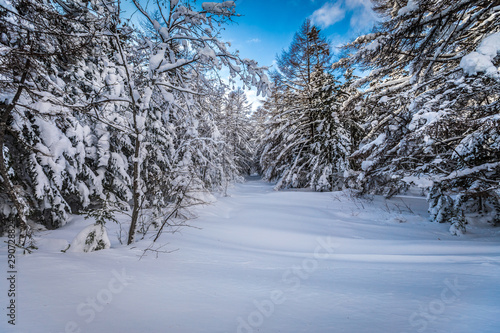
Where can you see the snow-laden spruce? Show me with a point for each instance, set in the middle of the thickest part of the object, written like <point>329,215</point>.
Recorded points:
<point>48,147</point>
<point>305,141</point>
<point>431,105</point>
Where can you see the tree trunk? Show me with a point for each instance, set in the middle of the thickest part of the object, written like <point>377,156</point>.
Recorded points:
<point>136,185</point>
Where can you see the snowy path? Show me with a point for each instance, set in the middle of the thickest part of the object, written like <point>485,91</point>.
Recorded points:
<point>268,261</point>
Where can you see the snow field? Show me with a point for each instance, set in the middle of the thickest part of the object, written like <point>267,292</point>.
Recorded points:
<point>267,261</point>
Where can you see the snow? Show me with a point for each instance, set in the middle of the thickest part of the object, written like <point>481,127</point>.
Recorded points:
<point>90,238</point>
<point>218,8</point>
<point>168,66</point>
<point>208,52</point>
<point>7,4</point>
<point>410,7</point>
<point>43,106</point>
<point>164,33</point>
<point>156,60</point>
<point>267,261</point>
<point>429,117</point>
<point>84,193</point>
<point>481,61</point>
<point>383,99</point>
<point>419,181</point>
<point>377,142</point>
<point>365,165</point>
<point>490,46</point>
<point>373,46</point>
<point>469,171</point>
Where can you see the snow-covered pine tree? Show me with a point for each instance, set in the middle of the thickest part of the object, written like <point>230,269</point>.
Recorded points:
<point>430,108</point>
<point>212,167</point>
<point>258,119</point>
<point>100,87</point>
<point>43,165</point>
<point>331,143</point>
<point>306,144</point>
<point>237,130</point>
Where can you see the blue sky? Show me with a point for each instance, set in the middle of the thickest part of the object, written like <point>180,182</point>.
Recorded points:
<point>266,27</point>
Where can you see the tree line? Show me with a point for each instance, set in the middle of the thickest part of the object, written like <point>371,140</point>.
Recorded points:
<point>425,111</point>
<point>100,117</point>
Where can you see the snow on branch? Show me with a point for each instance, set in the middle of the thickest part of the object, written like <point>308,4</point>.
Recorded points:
<point>225,8</point>
<point>482,60</point>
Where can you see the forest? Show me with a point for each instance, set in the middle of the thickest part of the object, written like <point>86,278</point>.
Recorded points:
<point>100,117</point>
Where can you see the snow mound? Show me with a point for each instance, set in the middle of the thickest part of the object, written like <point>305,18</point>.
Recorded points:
<point>93,238</point>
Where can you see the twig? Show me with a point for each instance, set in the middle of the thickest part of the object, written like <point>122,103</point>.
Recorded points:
<point>19,246</point>
<point>157,251</point>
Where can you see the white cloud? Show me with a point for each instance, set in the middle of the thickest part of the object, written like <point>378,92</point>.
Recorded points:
<point>363,16</point>
<point>253,40</point>
<point>332,12</point>
<point>328,14</point>
<point>336,42</point>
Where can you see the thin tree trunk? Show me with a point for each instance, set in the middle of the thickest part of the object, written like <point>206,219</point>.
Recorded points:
<point>136,194</point>
<point>136,184</point>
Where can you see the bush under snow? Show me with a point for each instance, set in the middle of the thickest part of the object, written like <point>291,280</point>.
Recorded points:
<point>92,238</point>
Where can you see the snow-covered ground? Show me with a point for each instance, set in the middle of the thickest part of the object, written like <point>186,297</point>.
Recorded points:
<point>266,261</point>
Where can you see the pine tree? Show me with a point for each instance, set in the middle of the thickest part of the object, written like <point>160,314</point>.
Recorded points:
<point>331,147</point>
<point>238,131</point>
<point>429,113</point>
<point>44,167</point>
<point>306,144</point>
